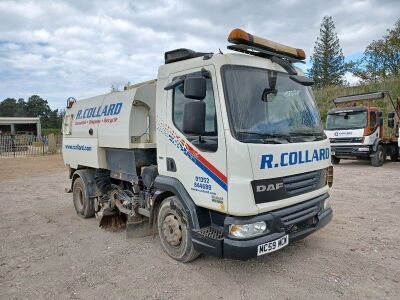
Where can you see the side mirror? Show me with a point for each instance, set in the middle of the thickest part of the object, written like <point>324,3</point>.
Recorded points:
<point>380,118</point>
<point>194,118</point>
<point>195,88</point>
<point>390,120</point>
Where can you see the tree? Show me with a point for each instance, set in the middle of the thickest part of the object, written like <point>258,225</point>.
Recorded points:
<point>7,107</point>
<point>327,61</point>
<point>12,108</point>
<point>381,58</point>
<point>369,68</point>
<point>21,109</point>
<point>36,106</point>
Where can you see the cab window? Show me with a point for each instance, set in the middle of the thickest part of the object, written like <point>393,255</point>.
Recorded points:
<point>372,119</point>
<point>179,101</point>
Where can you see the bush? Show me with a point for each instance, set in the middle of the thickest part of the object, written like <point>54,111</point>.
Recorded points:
<point>324,96</point>
<point>47,131</point>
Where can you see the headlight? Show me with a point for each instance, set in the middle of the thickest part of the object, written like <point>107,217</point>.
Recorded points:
<point>327,204</point>
<point>358,140</point>
<point>247,230</point>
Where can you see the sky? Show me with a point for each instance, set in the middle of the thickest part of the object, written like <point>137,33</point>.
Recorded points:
<point>59,49</point>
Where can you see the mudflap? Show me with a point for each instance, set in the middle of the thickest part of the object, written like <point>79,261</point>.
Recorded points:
<point>138,226</point>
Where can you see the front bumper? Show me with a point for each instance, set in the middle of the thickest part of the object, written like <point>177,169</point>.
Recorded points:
<point>298,221</point>
<point>353,150</point>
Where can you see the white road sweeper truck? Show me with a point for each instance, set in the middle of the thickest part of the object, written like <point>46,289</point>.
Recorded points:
<point>222,154</point>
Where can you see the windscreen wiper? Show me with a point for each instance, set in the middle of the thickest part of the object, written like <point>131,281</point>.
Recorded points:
<point>317,135</point>
<point>268,137</point>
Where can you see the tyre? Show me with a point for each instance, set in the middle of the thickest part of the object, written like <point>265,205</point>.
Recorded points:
<point>84,207</point>
<point>174,231</point>
<point>335,160</point>
<point>379,157</point>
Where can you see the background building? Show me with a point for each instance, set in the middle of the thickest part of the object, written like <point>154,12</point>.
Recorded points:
<point>20,126</point>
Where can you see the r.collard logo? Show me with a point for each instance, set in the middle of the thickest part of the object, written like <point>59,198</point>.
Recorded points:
<point>343,133</point>
<point>270,187</point>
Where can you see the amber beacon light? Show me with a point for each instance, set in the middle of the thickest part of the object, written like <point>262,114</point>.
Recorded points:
<point>239,36</point>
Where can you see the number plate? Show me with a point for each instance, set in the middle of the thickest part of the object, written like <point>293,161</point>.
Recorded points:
<point>273,246</point>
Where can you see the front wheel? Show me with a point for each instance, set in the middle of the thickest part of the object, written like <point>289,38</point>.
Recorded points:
<point>174,231</point>
<point>379,157</point>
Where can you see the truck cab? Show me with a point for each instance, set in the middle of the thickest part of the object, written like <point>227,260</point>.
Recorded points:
<point>242,165</point>
<point>359,132</point>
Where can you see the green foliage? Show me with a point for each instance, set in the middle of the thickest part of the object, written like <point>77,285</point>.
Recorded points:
<point>327,61</point>
<point>12,107</point>
<point>325,95</point>
<point>47,131</point>
<point>34,107</point>
<point>381,58</point>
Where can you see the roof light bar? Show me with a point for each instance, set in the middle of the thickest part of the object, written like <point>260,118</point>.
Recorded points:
<point>239,36</point>
<point>359,97</point>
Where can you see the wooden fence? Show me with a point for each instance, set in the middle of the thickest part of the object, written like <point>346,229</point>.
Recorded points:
<point>29,145</point>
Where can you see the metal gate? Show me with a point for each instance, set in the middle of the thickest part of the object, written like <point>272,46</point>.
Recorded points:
<point>29,145</point>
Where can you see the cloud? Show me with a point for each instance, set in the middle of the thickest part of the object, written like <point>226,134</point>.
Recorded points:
<point>80,48</point>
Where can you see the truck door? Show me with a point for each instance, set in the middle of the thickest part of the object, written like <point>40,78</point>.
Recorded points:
<point>202,170</point>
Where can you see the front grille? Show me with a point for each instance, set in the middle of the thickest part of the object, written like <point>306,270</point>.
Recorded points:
<point>300,216</point>
<point>346,140</point>
<point>348,150</point>
<point>302,183</point>
<point>273,189</point>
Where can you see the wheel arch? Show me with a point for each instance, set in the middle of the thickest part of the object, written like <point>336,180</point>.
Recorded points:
<point>376,143</point>
<point>168,186</point>
<point>87,175</point>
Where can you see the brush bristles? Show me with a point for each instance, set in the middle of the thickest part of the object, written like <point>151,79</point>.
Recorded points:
<point>113,223</point>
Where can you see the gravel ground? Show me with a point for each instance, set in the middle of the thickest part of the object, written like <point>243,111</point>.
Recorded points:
<point>48,252</point>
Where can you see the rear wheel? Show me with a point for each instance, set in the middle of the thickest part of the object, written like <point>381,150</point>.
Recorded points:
<point>174,231</point>
<point>335,160</point>
<point>84,207</point>
<point>379,157</point>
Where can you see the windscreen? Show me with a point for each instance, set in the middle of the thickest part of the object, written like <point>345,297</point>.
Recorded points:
<point>346,120</point>
<point>268,104</point>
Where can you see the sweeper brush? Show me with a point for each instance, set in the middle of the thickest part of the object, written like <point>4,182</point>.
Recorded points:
<point>112,220</point>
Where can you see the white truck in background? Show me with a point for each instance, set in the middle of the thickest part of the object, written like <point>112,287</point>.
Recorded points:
<point>222,154</point>
<point>357,130</point>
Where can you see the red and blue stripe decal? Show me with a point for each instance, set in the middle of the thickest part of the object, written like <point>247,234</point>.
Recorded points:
<point>207,167</point>
<point>194,155</point>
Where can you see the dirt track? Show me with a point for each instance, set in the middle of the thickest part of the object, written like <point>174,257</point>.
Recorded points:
<point>47,251</point>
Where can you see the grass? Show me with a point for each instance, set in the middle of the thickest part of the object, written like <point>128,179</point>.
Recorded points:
<point>325,95</point>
